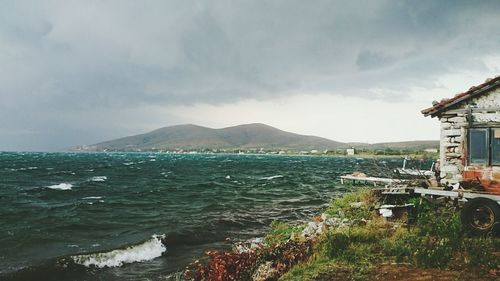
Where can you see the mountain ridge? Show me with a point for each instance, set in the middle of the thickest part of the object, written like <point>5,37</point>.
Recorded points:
<point>252,136</point>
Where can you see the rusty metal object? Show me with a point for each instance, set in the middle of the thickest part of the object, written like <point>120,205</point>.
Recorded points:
<point>481,179</point>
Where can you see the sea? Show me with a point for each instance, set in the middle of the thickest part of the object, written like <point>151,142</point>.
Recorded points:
<point>145,216</point>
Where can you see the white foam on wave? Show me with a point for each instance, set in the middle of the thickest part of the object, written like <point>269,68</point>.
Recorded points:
<point>92,197</point>
<point>271,177</point>
<point>148,250</point>
<point>61,186</point>
<point>99,178</point>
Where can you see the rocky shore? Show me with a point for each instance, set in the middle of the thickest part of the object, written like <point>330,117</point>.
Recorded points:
<point>352,241</point>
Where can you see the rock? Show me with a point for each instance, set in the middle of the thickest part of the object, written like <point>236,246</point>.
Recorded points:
<point>451,132</point>
<point>325,216</point>
<point>256,242</point>
<point>320,228</point>
<point>310,229</point>
<point>332,221</point>
<point>457,120</point>
<point>264,272</point>
<point>248,245</point>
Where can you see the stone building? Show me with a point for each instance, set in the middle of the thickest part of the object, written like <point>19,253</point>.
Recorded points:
<point>470,136</point>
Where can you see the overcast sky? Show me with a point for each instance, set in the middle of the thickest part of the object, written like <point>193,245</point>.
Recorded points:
<point>81,72</point>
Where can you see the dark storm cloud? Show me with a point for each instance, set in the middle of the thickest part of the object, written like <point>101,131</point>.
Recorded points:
<point>61,59</point>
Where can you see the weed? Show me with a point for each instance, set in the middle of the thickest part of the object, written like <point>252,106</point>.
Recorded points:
<point>432,252</point>
<point>399,245</point>
<point>343,207</point>
<point>333,244</point>
<point>480,252</point>
<point>281,232</point>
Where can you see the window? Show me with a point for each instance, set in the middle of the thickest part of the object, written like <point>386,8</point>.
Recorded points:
<point>478,146</point>
<point>484,146</point>
<point>495,146</point>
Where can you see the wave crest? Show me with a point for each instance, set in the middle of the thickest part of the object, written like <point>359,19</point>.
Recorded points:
<point>272,177</point>
<point>61,186</point>
<point>148,250</point>
<point>99,178</point>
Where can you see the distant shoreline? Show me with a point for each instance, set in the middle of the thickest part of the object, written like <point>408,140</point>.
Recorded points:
<point>414,155</point>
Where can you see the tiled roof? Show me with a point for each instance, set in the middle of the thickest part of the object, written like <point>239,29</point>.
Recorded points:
<point>474,91</point>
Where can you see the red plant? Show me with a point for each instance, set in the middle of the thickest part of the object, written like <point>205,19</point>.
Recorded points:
<point>223,266</point>
<point>230,266</point>
<point>286,255</point>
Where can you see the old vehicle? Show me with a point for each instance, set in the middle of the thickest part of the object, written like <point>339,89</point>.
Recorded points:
<point>480,212</point>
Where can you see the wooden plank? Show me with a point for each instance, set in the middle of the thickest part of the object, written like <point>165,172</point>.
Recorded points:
<point>374,180</point>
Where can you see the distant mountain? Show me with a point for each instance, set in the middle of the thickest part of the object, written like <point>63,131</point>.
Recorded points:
<point>246,137</point>
<point>250,136</point>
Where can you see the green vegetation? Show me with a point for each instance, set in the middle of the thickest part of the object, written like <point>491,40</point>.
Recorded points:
<point>359,244</point>
<point>281,232</point>
<point>435,239</point>
<point>350,253</point>
<point>356,205</point>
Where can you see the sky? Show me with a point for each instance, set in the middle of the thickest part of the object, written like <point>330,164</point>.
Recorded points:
<point>82,72</point>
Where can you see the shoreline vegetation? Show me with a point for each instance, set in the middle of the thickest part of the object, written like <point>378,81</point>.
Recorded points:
<point>350,241</point>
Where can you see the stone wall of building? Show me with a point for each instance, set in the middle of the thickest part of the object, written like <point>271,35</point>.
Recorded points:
<point>485,110</point>
<point>452,147</point>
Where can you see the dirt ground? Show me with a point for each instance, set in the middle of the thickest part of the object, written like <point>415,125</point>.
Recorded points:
<point>392,272</point>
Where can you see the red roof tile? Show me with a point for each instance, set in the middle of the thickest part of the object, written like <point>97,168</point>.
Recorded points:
<point>474,91</point>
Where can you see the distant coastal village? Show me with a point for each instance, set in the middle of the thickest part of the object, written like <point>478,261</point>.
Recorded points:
<point>424,152</point>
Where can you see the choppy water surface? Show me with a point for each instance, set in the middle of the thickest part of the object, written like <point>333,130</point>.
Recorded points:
<point>98,216</point>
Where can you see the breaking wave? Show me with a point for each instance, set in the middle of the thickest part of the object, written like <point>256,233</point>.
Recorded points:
<point>99,178</point>
<point>92,197</point>
<point>148,250</point>
<point>271,177</point>
<point>61,186</point>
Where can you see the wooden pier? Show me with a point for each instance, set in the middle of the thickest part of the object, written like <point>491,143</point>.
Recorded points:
<point>368,180</point>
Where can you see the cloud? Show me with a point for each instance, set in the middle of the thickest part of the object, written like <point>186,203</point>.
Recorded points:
<point>70,58</point>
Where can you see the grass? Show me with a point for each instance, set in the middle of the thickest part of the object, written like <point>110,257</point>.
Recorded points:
<point>281,232</point>
<point>345,206</point>
<point>434,240</point>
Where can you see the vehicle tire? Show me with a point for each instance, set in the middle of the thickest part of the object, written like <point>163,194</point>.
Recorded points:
<point>481,216</point>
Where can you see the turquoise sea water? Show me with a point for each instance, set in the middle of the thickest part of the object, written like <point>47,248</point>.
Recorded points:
<point>142,216</point>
